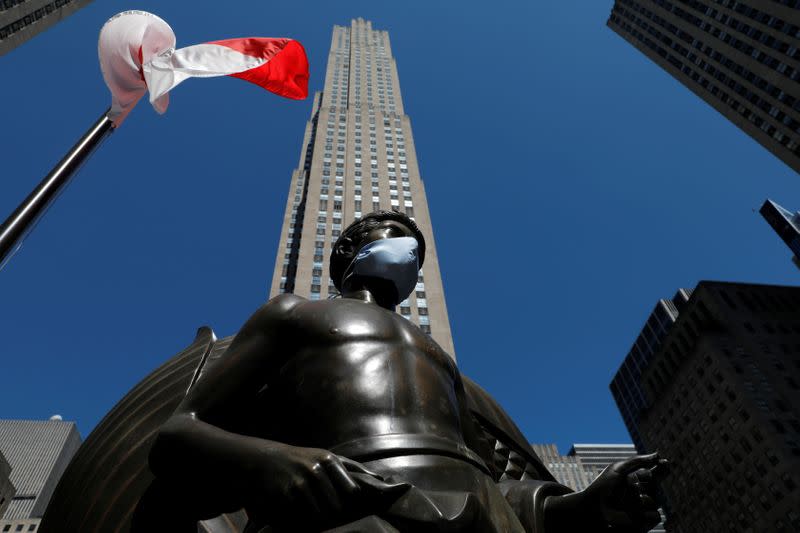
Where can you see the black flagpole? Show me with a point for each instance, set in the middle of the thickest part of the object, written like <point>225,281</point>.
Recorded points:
<point>22,220</point>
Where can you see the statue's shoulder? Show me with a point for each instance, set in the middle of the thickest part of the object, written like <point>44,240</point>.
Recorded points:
<point>273,317</point>
<point>277,309</point>
<point>284,302</point>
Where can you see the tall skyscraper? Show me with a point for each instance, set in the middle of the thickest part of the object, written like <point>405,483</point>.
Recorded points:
<point>740,56</point>
<point>626,385</point>
<point>723,404</point>
<point>568,471</point>
<point>786,224</point>
<point>358,156</point>
<point>21,20</point>
<point>38,452</point>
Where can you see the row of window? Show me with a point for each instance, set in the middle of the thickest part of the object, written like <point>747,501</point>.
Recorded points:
<point>373,45</point>
<point>31,18</point>
<point>763,17</point>
<point>751,32</point>
<point>767,87</point>
<point>767,300</point>
<point>8,4</point>
<point>20,527</point>
<point>703,82</point>
<point>794,4</point>
<point>699,439</point>
<point>738,44</point>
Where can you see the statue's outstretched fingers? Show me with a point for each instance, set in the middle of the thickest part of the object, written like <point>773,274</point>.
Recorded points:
<point>637,489</point>
<point>647,503</point>
<point>628,466</point>
<point>660,469</point>
<point>641,480</point>
<point>643,475</point>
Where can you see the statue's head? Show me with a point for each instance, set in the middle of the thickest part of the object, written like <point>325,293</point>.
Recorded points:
<point>362,239</point>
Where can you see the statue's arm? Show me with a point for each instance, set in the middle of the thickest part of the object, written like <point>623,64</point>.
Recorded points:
<point>620,499</point>
<point>201,444</point>
<point>201,436</point>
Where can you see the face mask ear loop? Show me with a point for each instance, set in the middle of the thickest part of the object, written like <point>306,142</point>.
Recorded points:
<point>348,273</point>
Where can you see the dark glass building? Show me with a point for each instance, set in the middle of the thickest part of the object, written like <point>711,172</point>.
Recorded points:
<point>626,386</point>
<point>741,57</point>
<point>722,395</point>
<point>21,20</point>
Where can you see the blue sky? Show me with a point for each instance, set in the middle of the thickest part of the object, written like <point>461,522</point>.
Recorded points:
<point>572,183</point>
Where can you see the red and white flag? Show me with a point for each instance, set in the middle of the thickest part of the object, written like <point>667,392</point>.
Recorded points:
<point>137,54</point>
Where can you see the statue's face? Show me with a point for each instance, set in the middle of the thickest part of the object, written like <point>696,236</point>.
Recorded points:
<point>386,230</point>
<point>386,263</point>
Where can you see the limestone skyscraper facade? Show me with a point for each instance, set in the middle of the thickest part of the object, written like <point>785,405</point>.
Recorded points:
<point>358,156</point>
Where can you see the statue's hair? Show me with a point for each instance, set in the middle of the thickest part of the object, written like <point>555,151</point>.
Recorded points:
<point>346,246</point>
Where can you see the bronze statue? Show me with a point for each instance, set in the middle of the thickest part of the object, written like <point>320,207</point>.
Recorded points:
<point>341,415</point>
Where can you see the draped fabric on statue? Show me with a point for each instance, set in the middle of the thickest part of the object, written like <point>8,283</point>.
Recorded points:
<point>104,483</point>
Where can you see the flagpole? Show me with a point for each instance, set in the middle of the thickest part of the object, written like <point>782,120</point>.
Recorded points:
<point>24,218</point>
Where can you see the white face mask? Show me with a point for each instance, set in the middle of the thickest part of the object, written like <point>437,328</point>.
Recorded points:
<point>393,260</point>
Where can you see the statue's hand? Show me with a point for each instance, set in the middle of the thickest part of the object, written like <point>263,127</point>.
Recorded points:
<point>306,485</point>
<point>620,499</point>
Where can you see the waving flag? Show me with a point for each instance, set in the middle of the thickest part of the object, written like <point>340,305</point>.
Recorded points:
<point>137,53</point>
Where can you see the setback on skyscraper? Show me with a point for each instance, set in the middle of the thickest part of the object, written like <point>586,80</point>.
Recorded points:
<point>786,224</point>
